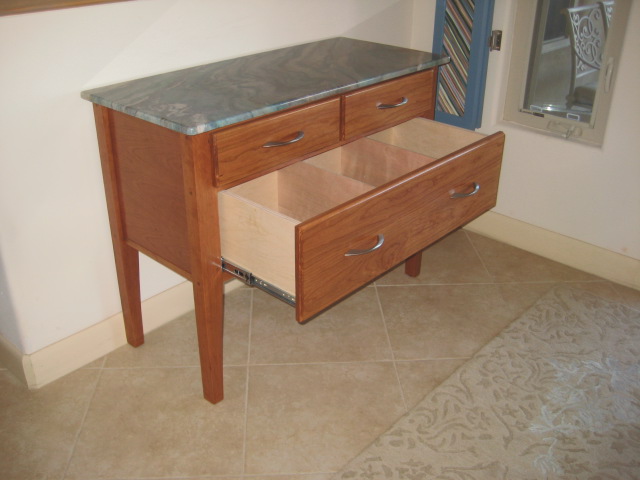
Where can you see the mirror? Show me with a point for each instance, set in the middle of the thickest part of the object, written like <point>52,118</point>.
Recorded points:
<point>563,65</point>
<point>566,57</point>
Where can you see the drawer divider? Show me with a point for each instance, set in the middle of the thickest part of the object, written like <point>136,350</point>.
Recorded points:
<point>250,279</point>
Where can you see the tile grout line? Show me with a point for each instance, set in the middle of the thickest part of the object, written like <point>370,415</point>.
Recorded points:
<point>484,265</point>
<point>84,418</point>
<point>393,356</point>
<point>246,388</point>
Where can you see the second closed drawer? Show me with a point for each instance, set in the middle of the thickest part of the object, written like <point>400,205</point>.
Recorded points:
<point>389,103</point>
<point>322,228</point>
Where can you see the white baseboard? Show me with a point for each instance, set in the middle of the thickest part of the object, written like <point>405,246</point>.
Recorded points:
<point>554,246</point>
<point>63,357</point>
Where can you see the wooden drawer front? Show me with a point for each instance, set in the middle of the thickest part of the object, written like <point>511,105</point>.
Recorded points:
<point>363,112</point>
<point>241,151</point>
<point>292,228</point>
<point>411,213</point>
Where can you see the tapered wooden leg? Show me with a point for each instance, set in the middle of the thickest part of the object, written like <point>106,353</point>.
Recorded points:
<point>126,257</point>
<point>413,264</point>
<point>206,270</point>
<point>209,307</point>
<point>128,270</point>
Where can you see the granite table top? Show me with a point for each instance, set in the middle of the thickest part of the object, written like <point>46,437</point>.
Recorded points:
<point>203,98</point>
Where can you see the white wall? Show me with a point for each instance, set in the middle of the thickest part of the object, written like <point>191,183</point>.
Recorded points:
<point>583,192</point>
<point>58,276</point>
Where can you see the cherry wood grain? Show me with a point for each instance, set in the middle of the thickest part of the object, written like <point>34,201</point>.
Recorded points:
<point>241,152</point>
<point>411,213</point>
<point>126,257</point>
<point>204,249</point>
<point>413,265</point>
<point>362,114</point>
<point>151,188</point>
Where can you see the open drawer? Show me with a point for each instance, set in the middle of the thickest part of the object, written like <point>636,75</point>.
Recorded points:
<point>317,230</point>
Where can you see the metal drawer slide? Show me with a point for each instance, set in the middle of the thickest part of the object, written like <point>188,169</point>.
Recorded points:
<point>249,279</point>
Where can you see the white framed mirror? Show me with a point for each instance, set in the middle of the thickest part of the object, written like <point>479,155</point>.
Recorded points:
<point>563,65</point>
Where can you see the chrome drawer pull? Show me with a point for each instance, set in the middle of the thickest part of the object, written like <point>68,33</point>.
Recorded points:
<point>299,137</point>
<point>353,253</point>
<point>476,188</point>
<point>404,101</point>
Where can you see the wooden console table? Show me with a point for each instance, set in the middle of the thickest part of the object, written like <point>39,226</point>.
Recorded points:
<point>306,171</point>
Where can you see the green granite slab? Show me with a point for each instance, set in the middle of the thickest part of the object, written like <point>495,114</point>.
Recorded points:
<point>206,97</point>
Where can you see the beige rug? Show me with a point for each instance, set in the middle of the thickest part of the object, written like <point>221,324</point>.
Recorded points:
<point>554,396</point>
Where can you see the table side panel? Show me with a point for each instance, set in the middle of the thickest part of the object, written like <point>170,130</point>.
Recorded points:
<point>149,160</point>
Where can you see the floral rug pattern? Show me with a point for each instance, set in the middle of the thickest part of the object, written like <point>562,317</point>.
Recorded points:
<point>555,396</point>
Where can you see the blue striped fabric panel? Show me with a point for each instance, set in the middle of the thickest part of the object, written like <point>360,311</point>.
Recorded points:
<point>461,31</point>
<point>452,83</point>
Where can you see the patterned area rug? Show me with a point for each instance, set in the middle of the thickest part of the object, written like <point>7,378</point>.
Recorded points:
<point>555,396</point>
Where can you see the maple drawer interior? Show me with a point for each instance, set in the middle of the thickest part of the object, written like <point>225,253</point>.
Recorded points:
<point>258,218</point>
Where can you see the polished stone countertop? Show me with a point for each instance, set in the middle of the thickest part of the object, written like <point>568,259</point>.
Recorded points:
<point>203,98</point>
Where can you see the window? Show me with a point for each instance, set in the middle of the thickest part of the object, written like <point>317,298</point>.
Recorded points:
<point>563,65</point>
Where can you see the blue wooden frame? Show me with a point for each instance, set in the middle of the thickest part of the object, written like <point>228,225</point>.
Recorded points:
<point>479,57</point>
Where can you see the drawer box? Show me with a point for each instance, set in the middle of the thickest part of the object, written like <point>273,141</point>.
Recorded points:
<point>390,103</point>
<point>322,228</point>
<point>260,146</point>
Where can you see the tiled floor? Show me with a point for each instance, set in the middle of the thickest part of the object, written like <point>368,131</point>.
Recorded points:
<point>300,400</point>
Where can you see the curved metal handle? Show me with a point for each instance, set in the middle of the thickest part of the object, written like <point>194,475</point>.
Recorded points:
<point>404,101</point>
<point>476,188</point>
<point>353,253</point>
<point>299,137</point>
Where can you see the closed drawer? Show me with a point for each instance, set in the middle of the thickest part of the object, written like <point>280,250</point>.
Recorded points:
<point>322,228</point>
<point>250,149</point>
<point>390,103</point>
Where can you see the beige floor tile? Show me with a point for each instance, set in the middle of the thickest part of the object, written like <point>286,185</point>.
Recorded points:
<point>154,423</point>
<point>451,260</point>
<point>318,393</point>
<point>38,428</point>
<point>453,321</point>
<point>518,297</point>
<point>314,418</point>
<point>99,363</point>
<point>351,330</point>
<point>509,264</point>
<point>419,377</point>
<point>176,343</point>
